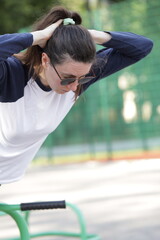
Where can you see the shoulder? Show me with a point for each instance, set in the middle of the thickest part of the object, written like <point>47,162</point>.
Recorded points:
<point>13,78</point>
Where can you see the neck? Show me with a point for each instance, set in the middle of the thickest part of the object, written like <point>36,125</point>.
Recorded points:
<point>40,73</point>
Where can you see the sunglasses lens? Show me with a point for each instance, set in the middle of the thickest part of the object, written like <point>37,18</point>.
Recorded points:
<point>67,81</point>
<point>85,80</point>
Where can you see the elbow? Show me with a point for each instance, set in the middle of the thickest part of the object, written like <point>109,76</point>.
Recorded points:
<point>147,48</point>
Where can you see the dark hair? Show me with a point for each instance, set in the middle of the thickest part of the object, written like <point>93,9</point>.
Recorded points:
<point>72,41</point>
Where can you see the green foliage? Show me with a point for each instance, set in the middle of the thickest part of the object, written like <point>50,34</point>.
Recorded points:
<point>20,14</point>
<point>116,1</point>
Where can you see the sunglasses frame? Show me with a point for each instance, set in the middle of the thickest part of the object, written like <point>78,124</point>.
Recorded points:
<point>67,81</point>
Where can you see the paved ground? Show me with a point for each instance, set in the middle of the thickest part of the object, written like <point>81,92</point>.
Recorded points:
<point>119,200</point>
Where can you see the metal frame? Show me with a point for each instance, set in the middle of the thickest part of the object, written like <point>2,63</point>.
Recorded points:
<point>15,211</point>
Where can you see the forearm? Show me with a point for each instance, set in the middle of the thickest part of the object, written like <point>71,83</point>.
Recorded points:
<point>130,44</point>
<point>122,50</point>
<point>14,43</point>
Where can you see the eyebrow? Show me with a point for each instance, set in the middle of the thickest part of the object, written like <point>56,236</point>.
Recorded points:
<point>65,75</point>
<point>68,75</point>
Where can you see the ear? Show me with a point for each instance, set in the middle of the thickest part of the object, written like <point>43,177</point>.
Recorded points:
<point>45,60</point>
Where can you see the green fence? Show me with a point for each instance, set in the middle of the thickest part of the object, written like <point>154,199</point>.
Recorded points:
<point>122,112</point>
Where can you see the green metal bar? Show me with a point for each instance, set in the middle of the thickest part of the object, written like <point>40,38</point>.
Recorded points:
<point>9,207</point>
<point>22,220</point>
<point>81,220</point>
<point>26,216</point>
<point>82,235</point>
<point>21,224</point>
<point>63,234</point>
<point>60,234</point>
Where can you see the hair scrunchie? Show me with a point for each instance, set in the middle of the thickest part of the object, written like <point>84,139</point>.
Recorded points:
<point>68,21</point>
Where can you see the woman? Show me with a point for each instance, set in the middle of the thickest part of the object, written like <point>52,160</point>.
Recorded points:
<point>39,86</point>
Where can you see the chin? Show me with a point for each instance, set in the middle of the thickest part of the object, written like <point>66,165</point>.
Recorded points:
<point>61,91</point>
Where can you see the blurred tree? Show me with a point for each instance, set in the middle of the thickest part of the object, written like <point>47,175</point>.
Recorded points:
<point>115,1</point>
<point>19,14</point>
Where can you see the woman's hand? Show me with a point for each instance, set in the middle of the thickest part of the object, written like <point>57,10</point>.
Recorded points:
<point>100,37</point>
<point>42,36</point>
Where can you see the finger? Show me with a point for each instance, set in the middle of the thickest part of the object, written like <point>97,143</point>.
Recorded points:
<point>53,26</point>
<point>59,21</point>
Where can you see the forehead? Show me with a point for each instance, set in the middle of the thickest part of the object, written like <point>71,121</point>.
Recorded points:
<point>74,68</point>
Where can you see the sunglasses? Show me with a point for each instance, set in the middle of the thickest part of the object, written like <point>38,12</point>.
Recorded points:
<point>67,81</point>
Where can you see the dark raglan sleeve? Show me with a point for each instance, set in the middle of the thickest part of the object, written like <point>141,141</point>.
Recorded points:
<point>11,69</point>
<point>14,43</point>
<point>123,50</point>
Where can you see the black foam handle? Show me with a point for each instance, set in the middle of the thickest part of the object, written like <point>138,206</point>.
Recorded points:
<point>42,205</point>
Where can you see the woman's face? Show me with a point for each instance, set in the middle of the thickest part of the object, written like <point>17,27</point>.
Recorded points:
<point>51,76</point>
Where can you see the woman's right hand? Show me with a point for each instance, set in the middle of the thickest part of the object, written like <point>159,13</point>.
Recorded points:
<point>42,36</point>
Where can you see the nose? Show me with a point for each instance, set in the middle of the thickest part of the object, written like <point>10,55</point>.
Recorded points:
<point>73,86</point>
